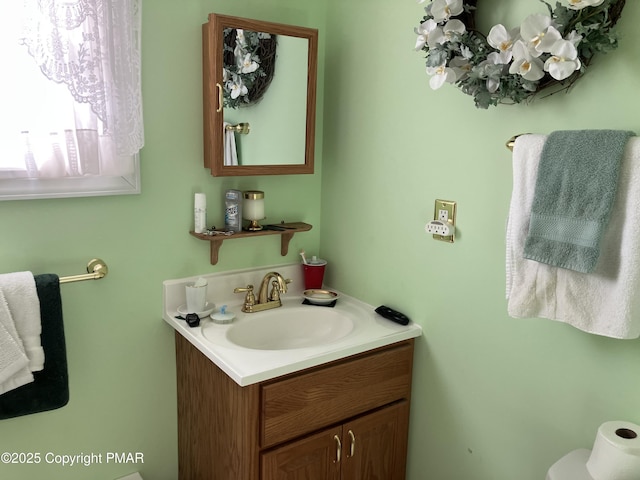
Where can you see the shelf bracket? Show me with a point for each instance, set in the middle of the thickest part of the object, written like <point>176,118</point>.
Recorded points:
<point>284,243</point>
<point>216,243</point>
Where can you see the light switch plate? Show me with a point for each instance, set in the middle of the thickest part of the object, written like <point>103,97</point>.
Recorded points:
<point>445,211</point>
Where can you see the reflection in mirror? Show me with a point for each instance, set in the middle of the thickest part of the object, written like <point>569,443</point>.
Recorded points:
<point>249,61</point>
<point>277,120</point>
<point>279,113</point>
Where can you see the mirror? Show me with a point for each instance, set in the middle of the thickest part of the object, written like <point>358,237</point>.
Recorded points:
<point>280,136</point>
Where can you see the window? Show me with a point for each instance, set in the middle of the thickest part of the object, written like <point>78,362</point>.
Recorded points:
<point>70,100</point>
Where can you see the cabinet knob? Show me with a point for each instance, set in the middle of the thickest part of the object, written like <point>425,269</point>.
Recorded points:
<point>338,449</point>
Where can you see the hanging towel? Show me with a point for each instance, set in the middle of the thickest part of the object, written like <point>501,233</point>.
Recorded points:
<point>604,302</point>
<point>575,189</point>
<point>14,370</point>
<point>230,152</point>
<point>19,290</point>
<point>50,388</point>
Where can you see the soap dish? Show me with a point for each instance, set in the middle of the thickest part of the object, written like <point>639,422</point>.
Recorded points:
<point>320,297</point>
<point>223,317</point>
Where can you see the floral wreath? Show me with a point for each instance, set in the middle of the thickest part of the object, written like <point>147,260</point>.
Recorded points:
<point>510,66</point>
<point>249,64</point>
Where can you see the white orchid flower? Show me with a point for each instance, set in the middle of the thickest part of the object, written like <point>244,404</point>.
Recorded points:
<point>563,61</point>
<point>502,40</point>
<point>240,37</point>
<point>440,75</point>
<point>580,4</point>
<point>574,37</point>
<point>496,58</point>
<point>423,32</point>
<point>492,83</point>
<point>442,10</point>
<point>237,87</point>
<point>525,64</point>
<point>452,27</point>
<point>442,35</point>
<point>248,65</point>
<point>538,33</point>
<point>460,66</point>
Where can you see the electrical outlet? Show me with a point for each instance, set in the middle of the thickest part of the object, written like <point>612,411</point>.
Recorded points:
<point>444,211</point>
<point>438,228</point>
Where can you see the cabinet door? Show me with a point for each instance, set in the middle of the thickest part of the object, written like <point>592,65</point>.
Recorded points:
<point>375,445</point>
<point>317,457</point>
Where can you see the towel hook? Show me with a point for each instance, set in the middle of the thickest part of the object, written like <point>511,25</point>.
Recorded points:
<point>241,128</point>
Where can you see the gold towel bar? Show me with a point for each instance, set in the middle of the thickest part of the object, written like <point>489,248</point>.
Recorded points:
<point>512,141</point>
<point>97,269</point>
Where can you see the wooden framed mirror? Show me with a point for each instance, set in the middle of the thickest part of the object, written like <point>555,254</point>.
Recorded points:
<point>280,136</point>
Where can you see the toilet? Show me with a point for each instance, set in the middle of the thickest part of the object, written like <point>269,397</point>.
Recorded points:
<point>572,466</point>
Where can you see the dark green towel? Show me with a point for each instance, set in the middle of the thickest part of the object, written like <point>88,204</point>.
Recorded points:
<point>50,388</point>
<point>575,190</point>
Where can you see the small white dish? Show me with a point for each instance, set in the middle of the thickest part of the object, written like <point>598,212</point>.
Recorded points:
<point>208,308</point>
<point>320,297</point>
<point>222,318</point>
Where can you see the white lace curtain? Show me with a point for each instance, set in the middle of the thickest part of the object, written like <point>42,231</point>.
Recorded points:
<point>75,88</point>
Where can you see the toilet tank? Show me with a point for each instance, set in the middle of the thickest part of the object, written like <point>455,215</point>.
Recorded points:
<point>573,466</point>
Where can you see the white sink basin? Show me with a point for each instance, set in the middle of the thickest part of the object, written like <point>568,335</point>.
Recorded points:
<point>260,346</point>
<point>289,328</point>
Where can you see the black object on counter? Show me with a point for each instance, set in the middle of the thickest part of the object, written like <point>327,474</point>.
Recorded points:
<point>393,315</point>
<point>193,320</point>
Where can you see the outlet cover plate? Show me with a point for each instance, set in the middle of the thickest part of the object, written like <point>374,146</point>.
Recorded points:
<point>450,208</point>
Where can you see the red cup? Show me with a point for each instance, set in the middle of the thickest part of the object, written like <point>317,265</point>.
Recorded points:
<point>313,275</point>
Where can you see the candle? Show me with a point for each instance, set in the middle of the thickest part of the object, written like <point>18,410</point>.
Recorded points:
<point>253,208</point>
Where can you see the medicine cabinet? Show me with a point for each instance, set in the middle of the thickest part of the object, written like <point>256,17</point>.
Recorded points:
<point>285,139</point>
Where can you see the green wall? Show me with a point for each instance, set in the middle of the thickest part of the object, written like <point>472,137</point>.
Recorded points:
<point>494,398</point>
<point>120,351</point>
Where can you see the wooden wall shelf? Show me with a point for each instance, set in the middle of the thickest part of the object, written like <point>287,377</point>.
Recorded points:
<point>286,236</point>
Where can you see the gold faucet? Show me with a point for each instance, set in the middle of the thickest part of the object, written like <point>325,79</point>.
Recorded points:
<point>265,301</point>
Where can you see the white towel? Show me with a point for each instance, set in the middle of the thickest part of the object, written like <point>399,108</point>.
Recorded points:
<point>20,292</point>
<point>14,364</point>
<point>230,152</point>
<point>603,302</point>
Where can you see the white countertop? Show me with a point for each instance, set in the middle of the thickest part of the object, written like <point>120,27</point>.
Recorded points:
<point>247,366</point>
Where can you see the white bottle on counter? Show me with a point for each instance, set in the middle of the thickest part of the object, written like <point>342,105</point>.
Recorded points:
<point>200,213</point>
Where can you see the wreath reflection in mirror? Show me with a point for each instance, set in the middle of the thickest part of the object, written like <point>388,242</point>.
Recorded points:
<point>547,52</point>
<point>249,63</point>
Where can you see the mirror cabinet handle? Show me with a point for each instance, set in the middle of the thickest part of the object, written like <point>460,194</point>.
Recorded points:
<point>338,449</point>
<point>353,443</point>
<point>219,87</point>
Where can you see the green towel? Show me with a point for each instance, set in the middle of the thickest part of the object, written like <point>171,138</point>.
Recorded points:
<point>574,193</point>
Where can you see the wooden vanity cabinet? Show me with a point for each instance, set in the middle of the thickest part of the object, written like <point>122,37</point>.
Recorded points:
<point>344,420</point>
<point>370,447</point>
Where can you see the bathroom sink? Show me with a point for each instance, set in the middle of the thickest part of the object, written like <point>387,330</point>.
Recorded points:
<point>264,345</point>
<point>289,328</point>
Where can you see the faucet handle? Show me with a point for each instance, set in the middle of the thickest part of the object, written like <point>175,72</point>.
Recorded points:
<point>274,296</point>
<point>250,298</point>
